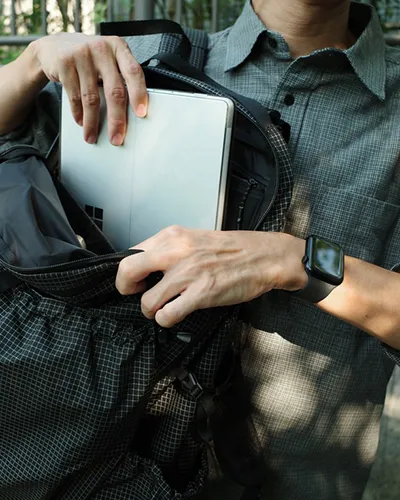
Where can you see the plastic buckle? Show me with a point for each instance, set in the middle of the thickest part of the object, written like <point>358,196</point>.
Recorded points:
<point>190,384</point>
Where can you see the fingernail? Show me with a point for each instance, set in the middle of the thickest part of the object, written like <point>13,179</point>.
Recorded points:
<point>117,140</point>
<point>141,111</point>
<point>92,139</point>
<point>80,122</point>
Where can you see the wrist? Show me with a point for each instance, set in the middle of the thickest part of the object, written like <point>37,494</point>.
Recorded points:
<point>291,272</point>
<point>36,78</point>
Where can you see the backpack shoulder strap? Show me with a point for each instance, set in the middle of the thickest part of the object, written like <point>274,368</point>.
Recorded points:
<point>199,45</point>
<point>190,44</point>
<point>199,40</point>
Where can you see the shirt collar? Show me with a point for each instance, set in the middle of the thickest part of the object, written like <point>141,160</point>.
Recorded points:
<point>366,56</point>
<point>243,36</point>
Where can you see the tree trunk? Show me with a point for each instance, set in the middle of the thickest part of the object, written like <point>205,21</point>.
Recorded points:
<point>63,6</point>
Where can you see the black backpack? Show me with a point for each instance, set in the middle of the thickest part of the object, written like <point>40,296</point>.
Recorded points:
<point>98,402</point>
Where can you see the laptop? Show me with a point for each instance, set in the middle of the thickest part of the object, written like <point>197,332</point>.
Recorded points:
<point>172,168</point>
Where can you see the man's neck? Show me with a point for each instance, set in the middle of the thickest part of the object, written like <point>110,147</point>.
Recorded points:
<point>307,25</point>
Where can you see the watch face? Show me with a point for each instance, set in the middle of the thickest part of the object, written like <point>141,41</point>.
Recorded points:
<point>325,260</point>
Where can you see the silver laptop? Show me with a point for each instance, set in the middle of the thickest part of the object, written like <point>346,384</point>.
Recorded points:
<point>172,168</point>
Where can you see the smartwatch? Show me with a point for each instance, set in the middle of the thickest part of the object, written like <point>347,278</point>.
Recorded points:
<point>324,265</point>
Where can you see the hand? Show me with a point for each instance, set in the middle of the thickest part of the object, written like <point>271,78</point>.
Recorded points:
<point>78,61</point>
<point>205,269</point>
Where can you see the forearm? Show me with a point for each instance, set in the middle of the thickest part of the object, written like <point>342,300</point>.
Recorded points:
<point>20,82</point>
<point>205,269</point>
<point>368,298</point>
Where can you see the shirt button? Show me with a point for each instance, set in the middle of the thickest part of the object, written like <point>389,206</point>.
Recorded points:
<point>273,43</point>
<point>289,99</point>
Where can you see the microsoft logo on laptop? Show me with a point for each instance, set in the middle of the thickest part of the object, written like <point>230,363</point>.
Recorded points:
<point>96,214</point>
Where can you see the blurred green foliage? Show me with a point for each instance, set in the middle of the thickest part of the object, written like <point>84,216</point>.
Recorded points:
<point>195,13</point>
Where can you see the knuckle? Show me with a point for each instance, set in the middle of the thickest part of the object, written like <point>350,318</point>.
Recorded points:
<point>174,231</point>
<point>99,45</point>
<point>91,98</point>
<point>134,68</point>
<point>180,238</point>
<point>75,99</point>
<point>82,51</point>
<point>117,94</point>
<point>114,39</point>
<point>67,60</point>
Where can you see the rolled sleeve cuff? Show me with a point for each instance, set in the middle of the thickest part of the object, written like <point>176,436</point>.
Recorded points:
<point>41,126</point>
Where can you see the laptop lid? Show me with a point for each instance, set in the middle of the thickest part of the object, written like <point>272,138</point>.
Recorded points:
<point>171,169</point>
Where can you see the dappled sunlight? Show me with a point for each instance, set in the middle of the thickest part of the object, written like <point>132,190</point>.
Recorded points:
<point>305,409</point>
<point>294,394</point>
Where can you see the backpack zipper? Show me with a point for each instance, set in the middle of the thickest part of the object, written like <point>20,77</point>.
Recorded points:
<point>251,184</point>
<point>210,90</point>
<point>71,266</point>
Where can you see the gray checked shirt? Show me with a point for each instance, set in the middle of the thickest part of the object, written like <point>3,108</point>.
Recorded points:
<point>317,385</point>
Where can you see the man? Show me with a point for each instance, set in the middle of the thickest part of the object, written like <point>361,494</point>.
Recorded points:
<point>318,373</point>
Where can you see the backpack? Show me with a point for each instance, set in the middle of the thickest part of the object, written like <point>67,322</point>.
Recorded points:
<point>97,402</point>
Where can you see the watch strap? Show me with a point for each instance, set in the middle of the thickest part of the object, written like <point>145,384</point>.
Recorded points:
<point>314,291</point>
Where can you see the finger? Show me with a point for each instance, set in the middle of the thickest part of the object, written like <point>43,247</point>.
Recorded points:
<point>177,310</point>
<point>89,93</point>
<point>133,270</point>
<point>69,78</point>
<point>164,291</point>
<point>139,287</point>
<point>114,89</point>
<point>134,78</point>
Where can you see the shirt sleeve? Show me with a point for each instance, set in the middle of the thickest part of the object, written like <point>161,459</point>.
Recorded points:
<point>41,126</point>
<point>391,352</point>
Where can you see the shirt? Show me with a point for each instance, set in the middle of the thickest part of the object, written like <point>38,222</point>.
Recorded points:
<point>317,385</point>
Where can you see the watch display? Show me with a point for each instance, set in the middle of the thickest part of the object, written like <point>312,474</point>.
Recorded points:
<point>325,260</point>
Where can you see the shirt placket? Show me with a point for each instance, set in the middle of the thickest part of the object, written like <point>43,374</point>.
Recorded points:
<point>293,95</point>
<point>293,99</point>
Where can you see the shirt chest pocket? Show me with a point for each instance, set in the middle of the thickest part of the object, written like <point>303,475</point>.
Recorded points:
<point>360,224</point>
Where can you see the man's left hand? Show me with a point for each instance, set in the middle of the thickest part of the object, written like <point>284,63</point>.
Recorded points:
<point>205,269</point>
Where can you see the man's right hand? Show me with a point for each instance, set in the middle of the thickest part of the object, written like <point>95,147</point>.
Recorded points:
<point>79,62</point>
